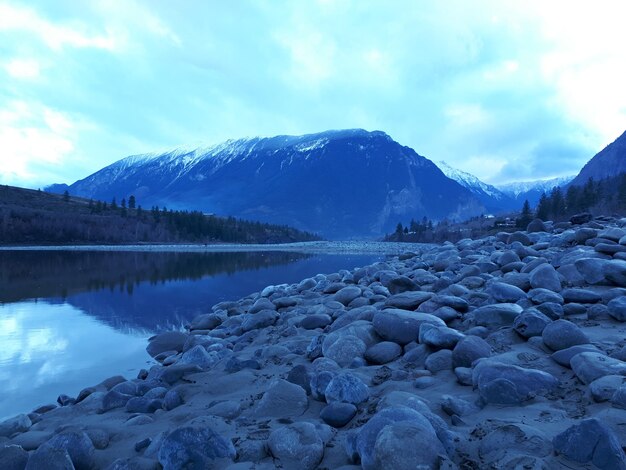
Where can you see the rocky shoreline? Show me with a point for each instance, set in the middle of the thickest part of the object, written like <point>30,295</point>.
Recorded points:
<point>507,352</point>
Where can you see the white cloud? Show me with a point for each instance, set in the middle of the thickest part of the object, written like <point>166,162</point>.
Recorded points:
<point>23,68</point>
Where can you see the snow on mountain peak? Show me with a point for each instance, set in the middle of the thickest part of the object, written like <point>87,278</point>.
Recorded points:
<point>469,181</point>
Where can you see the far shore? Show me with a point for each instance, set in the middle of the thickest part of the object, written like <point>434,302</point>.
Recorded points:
<point>317,247</point>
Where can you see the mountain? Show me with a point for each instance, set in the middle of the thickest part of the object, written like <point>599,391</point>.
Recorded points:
<point>345,183</point>
<point>531,190</point>
<point>609,162</point>
<point>491,197</point>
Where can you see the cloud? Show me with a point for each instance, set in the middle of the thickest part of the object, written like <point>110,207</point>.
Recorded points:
<point>499,89</point>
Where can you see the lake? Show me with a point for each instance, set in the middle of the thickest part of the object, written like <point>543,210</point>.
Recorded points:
<point>69,319</point>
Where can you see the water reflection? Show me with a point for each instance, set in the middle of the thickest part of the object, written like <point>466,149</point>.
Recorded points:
<point>70,319</point>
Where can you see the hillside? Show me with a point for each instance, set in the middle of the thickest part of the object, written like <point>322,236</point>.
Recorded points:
<point>608,163</point>
<point>342,184</point>
<point>36,217</point>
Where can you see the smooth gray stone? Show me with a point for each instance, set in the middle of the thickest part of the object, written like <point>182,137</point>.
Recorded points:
<point>297,445</point>
<point>552,310</point>
<point>564,356</point>
<point>14,425</point>
<point>319,320</point>
<point>383,352</point>
<point>591,441</point>
<point>618,399</point>
<point>468,350</point>
<point>282,399</point>
<point>13,457</point>
<point>301,375</point>
<point>345,349</point>
<point>589,366</point>
<point>168,341</point>
<point>50,459</point>
<point>408,300</point>
<point>540,296</point>
<point>143,405</point>
<point>513,439</point>
<point>617,308</point>
<point>545,276</point>
<point>507,384</point>
<point>262,304</point>
<point>438,361</point>
<point>262,319</point>
<point>346,388</point>
<point>496,315</point>
<point>502,292</point>
<point>563,334</point>
<point>338,414</point>
<point>77,444</point>
<point>402,326</point>
<point>602,389</point>
<point>452,405</point>
<point>194,447</point>
<point>199,356</point>
<point>347,294</point>
<point>530,322</point>
<point>171,400</point>
<point>375,452</point>
<point>439,337</point>
<point>206,321</point>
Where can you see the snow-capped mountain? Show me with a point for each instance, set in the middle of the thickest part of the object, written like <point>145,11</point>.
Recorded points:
<point>532,190</point>
<point>346,183</point>
<point>493,199</point>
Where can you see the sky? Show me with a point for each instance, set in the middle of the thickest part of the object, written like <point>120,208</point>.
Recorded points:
<point>506,90</point>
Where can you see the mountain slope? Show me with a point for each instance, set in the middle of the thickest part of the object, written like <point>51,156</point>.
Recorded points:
<point>491,197</point>
<point>532,190</point>
<point>609,162</point>
<point>348,183</point>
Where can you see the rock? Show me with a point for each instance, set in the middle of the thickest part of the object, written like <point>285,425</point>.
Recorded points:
<point>468,350</point>
<point>618,399</point>
<point>503,292</point>
<point>581,296</point>
<point>540,296</point>
<point>261,304</point>
<point>399,284</point>
<point>300,375</point>
<point>617,308</point>
<point>519,237</point>
<point>338,414</point>
<point>206,321</point>
<point>168,341</point>
<point>545,276</point>
<point>507,384</point>
<point>114,399</point>
<point>398,438</point>
<point>50,459</point>
<point>262,319</point>
<point>143,405</point>
<point>564,356</point>
<point>439,337</point>
<point>408,300</point>
<point>530,323</point>
<point>314,349</point>
<point>194,447</point>
<point>591,441</point>
<point>581,218</point>
<point>602,271</point>
<point>347,294</point>
<point>537,225</point>
<point>346,388</point>
<point>589,366</point>
<point>551,310</point>
<point>176,372</point>
<point>613,234</point>
<point>199,356</point>
<point>401,326</point>
<point>283,400</point>
<point>496,315</point>
<point>319,320</point>
<point>602,389</point>
<point>77,444</point>
<point>297,446</point>
<point>345,349</point>
<point>171,400</point>
<point>562,334</point>
<point>13,457</point>
<point>383,352</point>
<point>17,424</point>
<point>457,406</point>
<point>438,361</point>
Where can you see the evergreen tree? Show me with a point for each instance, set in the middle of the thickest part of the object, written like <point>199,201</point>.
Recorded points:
<point>557,202</point>
<point>66,196</point>
<point>132,202</point>
<point>113,204</point>
<point>543,208</point>
<point>572,199</point>
<point>526,216</point>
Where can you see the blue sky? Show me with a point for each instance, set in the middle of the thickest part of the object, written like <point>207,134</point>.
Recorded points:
<point>507,90</point>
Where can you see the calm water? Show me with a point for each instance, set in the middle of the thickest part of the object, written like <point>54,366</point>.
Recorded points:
<point>71,319</point>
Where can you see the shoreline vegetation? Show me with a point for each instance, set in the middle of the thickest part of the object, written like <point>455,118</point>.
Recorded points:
<point>501,352</point>
<point>40,218</point>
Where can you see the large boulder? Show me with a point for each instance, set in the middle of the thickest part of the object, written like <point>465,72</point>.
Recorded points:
<point>194,447</point>
<point>381,443</point>
<point>346,388</point>
<point>347,294</point>
<point>408,300</point>
<point>168,341</point>
<point>78,446</point>
<point>13,457</point>
<point>468,350</point>
<point>402,326</point>
<point>17,424</point>
<point>545,276</point>
<point>338,414</point>
<point>589,366</point>
<point>503,292</point>
<point>345,349</point>
<point>617,308</point>
<point>591,441</point>
<point>507,384</point>
<point>496,315</point>
<point>283,400</point>
<point>439,337</point>
<point>383,352</point>
<point>530,323</point>
<point>562,334</point>
<point>297,446</point>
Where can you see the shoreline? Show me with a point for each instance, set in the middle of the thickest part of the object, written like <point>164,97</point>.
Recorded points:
<point>336,247</point>
<point>485,352</point>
